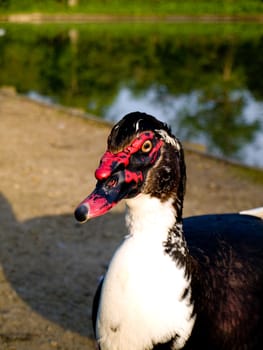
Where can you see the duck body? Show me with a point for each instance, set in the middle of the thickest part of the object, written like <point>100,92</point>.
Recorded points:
<point>217,297</point>
<point>227,284</point>
<point>174,283</point>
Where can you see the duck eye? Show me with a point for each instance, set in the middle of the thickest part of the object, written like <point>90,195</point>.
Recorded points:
<point>147,146</point>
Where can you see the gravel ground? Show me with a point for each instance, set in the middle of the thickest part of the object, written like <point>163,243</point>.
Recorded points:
<point>49,264</point>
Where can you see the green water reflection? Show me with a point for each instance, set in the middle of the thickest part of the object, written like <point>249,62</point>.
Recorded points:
<point>87,66</point>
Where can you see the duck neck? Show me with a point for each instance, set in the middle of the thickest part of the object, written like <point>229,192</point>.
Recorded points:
<point>156,221</point>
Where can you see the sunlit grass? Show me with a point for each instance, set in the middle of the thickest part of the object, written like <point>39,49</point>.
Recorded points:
<point>137,7</point>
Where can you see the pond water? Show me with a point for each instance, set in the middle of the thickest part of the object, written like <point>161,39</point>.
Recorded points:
<point>205,80</point>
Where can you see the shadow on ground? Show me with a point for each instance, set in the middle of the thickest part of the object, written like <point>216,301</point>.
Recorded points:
<point>54,264</point>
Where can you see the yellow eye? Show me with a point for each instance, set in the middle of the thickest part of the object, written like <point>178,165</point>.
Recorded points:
<point>147,146</point>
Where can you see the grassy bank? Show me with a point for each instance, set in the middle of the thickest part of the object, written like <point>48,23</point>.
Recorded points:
<point>136,7</point>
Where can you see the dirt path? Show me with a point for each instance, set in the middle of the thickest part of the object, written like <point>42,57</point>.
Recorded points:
<point>49,265</point>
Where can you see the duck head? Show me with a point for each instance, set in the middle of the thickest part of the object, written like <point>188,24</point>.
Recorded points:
<point>142,156</point>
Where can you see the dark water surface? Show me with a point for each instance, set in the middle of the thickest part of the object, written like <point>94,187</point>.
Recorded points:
<point>206,80</point>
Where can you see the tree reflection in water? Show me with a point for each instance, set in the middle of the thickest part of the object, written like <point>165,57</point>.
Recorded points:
<point>197,74</point>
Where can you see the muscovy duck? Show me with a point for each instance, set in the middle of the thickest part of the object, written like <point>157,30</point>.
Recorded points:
<point>174,283</point>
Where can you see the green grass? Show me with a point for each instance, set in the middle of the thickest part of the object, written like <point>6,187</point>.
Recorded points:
<point>242,31</point>
<point>136,7</point>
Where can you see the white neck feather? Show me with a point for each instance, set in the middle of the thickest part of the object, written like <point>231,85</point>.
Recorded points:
<point>149,218</point>
<point>141,302</point>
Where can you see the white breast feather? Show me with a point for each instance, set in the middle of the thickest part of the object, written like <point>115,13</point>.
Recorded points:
<point>141,300</point>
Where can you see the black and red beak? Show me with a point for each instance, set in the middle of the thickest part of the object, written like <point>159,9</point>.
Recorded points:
<point>115,182</point>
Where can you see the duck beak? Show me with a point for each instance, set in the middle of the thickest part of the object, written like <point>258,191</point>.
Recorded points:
<point>113,185</point>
